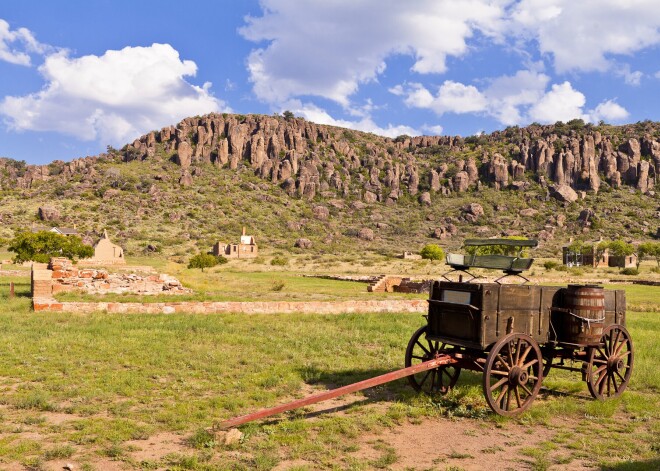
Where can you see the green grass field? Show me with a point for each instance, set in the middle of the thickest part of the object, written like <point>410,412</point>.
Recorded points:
<point>95,389</point>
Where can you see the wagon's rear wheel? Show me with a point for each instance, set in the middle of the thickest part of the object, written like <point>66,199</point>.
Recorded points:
<point>420,349</point>
<point>513,374</point>
<point>610,363</point>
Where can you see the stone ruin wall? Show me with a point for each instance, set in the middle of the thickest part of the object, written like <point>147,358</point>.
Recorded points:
<point>62,276</point>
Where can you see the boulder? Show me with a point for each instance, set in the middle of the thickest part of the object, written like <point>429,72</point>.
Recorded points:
<point>184,154</point>
<point>186,179</point>
<point>425,198</point>
<point>303,243</point>
<point>48,213</point>
<point>528,212</point>
<point>366,234</point>
<point>461,182</point>
<point>321,212</point>
<point>563,193</point>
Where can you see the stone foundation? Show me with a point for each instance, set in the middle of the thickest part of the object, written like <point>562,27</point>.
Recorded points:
<point>219,307</point>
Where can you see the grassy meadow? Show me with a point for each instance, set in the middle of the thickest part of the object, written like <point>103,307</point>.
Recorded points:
<point>101,391</point>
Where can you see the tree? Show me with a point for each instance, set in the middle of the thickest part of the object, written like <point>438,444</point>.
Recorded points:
<point>205,260</point>
<point>43,245</point>
<point>432,252</point>
<point>650,250</point>
<point>288,115</point>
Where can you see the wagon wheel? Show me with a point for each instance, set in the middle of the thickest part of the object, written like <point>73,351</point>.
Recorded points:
<point>610,363</point>
<point>513,374</point>
<point>420,349</point>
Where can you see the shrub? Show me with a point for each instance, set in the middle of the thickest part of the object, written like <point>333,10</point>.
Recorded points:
<point>432,252</point>
<point>279,261</point>
<point>277,285</point>
<point>205,260</point>
<point>562,268</point>
<point>630,271</point>
<point>550,265</point>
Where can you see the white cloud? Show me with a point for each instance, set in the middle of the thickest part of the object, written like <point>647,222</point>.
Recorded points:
<point>583,35</point>
<point>328,49</point>
<point>608,111</point>
<point>111,98</point>
<point>16,45</point>
<point>630,77</point>
<point>561,103</point>
<point>434,130</point>
<point>318,115</point>
<point>511,99</point>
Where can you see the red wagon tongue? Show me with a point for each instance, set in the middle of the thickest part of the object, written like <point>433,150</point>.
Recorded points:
<point>324,396</point>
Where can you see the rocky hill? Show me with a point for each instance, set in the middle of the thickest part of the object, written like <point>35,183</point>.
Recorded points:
<point>200,180</point>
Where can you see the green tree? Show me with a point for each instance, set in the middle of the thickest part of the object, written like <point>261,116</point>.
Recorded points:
<point>205,260</point>
<point>432,252</point>
<point>619,248</point>
<point>288,115</point>
<point>43,245</point>
<point>648,250</point>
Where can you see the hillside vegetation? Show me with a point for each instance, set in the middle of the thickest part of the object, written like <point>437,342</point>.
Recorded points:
<point>180,189</point>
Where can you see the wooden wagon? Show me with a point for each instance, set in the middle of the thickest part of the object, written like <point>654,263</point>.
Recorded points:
<point>515,334</point>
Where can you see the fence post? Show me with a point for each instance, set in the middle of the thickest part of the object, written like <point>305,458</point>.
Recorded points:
<point>11,289</point>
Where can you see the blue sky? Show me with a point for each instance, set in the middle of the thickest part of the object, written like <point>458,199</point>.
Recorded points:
<point>77,76</point>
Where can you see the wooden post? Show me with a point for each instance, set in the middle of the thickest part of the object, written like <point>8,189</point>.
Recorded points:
<point>11,289</point>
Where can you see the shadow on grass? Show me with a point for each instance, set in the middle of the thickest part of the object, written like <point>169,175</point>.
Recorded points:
<point>634,465</point>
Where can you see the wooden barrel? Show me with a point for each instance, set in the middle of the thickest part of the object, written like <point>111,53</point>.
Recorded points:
<point>585,319</point>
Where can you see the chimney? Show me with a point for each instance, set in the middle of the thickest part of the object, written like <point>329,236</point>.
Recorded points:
<point>243,230</point>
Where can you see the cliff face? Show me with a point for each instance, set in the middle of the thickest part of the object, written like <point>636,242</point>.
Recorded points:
<point>308,159</point>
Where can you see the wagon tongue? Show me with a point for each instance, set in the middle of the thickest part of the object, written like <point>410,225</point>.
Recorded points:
<point>324,396</point>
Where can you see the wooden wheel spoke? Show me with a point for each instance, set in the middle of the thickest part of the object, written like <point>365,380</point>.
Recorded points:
<point>616,388</point>
<point>602,355</point>
<point>615,342</point>
<point>498,384</point>
<point>518,398</point>
<point>620,346</point>
<point>524,355</point>
<point>503,361</point>
<point>517,352</point>
<point>511,362</point>
<point>423,347</point>
<point>499,373</point>
<point>508,399</point>
<point>526,389</point>
<point>503,391</point>
<point>623,380</point>
<point>597,360</point>
<point>531,363</point>
<point>625,354</point>
<point>434,373</point>
<point>421,383</point>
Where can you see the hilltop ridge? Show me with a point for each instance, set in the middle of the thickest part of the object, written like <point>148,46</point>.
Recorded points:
<point>209,175</point>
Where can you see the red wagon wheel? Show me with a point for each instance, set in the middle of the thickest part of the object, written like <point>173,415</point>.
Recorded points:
<point>420,349</point>
<point>610,363</point>
<point>513,374</point>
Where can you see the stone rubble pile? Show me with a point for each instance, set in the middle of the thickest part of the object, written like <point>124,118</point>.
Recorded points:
<point>66,277</point>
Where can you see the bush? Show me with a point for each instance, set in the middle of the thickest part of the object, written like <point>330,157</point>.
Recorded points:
<point>205,260</point>
<point>432,252</point>
<point>550,265</point>
<point>43,245</point>
<point>279,261</point>
<point>630,271</point>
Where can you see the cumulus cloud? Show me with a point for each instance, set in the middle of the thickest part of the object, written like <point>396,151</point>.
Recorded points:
<point>583,35</point>
<point>511,99</point>
<point>608,111</point>
<point>328,49</point>
<point>17,45</point>
<point>561,103</point>
<point>111,98</point>
<point>318,115</point>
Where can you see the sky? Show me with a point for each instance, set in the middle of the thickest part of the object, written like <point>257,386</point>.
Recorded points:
<point>77,76</point>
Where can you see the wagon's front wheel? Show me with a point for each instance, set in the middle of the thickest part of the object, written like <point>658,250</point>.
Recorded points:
<point>420,349</point>
<point>513,374</point>
<point>610,363</point>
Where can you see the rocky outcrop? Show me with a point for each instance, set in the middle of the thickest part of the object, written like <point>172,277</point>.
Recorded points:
<point>312,161</point>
